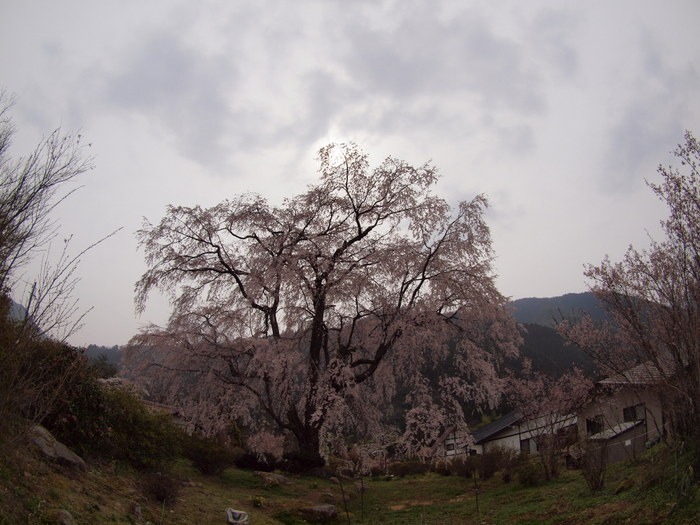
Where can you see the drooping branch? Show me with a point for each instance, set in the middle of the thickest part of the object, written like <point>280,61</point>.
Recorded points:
<point>363,272</point>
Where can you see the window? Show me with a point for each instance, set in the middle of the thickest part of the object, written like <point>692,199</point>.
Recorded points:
<point>524,446</point>
<point>634,412</point>
<point>451,444</point>
<point>594,424</point>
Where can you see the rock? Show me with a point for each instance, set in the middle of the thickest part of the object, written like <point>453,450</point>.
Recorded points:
<point>270,479</point>
<point>136,512</point>
<point>319,513</point>
<point>328,497</point>
<point>190,483</point>
<point>53,449</point>
<point>60,517</point>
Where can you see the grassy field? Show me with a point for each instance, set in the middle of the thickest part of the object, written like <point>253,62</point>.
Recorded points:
<point>650,490</point>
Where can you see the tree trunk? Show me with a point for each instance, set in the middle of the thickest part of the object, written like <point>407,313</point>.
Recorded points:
<point>308,442</point>
<point>309,446</point>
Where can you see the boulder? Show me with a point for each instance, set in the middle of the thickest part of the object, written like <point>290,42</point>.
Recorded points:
<point>270,479</point>
<point>59,517</point>
<point>319,513</point>
<point>53,449</point>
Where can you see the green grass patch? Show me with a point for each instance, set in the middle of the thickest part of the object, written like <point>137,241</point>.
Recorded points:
<point>653,489</point>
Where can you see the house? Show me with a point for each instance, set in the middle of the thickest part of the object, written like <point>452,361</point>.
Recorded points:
<point>627,414</point>
<point>515,432</point>
<point>504,432</point>
<point>451,444</point>
<point>625,418</point>
<point>512,431</point>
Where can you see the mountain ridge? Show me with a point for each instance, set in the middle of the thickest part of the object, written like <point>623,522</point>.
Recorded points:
<point>545,311</point>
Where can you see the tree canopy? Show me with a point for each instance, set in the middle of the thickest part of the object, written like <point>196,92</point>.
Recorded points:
<point>314,308</point>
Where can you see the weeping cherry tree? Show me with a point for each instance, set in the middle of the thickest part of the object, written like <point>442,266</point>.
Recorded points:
<point>303,316</point>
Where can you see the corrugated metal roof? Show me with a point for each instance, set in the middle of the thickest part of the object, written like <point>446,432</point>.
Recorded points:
<point>612,432</point>
<point>494,427</point>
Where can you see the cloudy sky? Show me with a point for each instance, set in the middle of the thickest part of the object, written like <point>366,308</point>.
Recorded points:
<point>557,111</point>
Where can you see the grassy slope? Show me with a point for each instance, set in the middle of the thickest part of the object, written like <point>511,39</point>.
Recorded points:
<point>31,491</point>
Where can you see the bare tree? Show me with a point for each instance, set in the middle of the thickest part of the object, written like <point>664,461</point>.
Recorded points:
<point>35,365</point>
<point>365,278</point>
<point>28,191</point>
<point>549,407</point>
<point>653,297</point>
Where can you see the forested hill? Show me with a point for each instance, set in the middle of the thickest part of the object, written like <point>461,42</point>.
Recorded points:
<point>17,311</point>
<point>549,354</point>
<point>544,311</point>
<point>542,345</point>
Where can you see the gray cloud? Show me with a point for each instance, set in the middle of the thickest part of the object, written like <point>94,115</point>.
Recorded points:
<point>551,109</point>
<point>179,88</point>
<point>424,55</point>
<point>657,114</point>
<point>552,33</point>
<point>435,75</point>
<point>326,98</point>
<point>288,79</point>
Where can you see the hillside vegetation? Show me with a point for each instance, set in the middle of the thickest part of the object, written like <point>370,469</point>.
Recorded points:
<point>653,489</point>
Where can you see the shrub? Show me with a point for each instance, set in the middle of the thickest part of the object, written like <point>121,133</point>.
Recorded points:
<point>232,435</point>
<point>299,462</point>
<point>251,461</point>
<point>36,373</point>
<point>442,468</point>
<point>112,423</point>
<point>258,502</point>
<point>376,471</point>
<point>464,467</point>
<point>405,468</point>
<point>207,455</point>
<point>494,460</point>
<point>103,368</point>
<point>79,418</point>
<point>488,464</point>
<point>162,486</point>
<point>593,464</point>
<point>145,439</point>
<point>675,470</point>
<point>530,473</point>
<point>485,465</point>
<point>511,460</point>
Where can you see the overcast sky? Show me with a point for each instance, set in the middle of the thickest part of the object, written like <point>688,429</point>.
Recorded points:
<point>557,111</point>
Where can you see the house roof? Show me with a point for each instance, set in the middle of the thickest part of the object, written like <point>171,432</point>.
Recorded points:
<point>615,431</point>
<point>646,373</point>
<point>485,432</point>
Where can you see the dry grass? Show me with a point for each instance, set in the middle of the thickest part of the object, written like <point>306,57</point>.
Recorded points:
<point>32,491</point>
